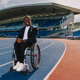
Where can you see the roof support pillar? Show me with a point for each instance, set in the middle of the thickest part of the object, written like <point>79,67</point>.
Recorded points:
<point>73,22</point>
<point>67,26</point>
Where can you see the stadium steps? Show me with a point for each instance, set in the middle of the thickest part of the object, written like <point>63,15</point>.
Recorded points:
<point>56,23</point>
<point>66,20</point>
<point>59,34</point>
<point>33,21</point>
<point>43,22</point>
<point>67,32</point>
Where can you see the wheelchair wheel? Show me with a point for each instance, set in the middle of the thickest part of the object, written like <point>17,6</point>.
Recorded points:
<point>35,56</point>
<point>27,71</point>
<point>11,69</point>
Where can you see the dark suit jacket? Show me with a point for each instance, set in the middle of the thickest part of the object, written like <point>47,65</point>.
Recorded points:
<point>32,34</point>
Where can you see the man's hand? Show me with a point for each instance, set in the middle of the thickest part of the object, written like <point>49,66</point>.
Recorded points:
<point>19,40</point>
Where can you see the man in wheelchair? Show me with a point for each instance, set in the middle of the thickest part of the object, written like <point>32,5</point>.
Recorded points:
<point>26,37</point>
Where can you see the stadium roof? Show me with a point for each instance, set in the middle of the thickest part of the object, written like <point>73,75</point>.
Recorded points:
<point>37,10</point>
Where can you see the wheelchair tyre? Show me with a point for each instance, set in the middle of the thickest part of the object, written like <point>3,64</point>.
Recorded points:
<point>27,71</point>
<point>11,69</point>
<point>35,56</point>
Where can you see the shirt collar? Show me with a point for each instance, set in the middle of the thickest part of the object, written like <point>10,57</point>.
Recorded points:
<point>27,26</point>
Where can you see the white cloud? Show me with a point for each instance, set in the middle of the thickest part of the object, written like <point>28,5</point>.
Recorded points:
<point>72,3</point>
<point>4,2</point>
<point>10,3</point>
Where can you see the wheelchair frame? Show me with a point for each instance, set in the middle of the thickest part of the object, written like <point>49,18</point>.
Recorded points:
<point>32,55</point>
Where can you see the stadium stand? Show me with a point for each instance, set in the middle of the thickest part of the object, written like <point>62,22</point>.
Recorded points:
<point>73,35</point>
<point>76,33</point>
<point>51,22</point>
<point>18,23</point>
<point>9,25</point>
<point>40,22</point>
<point>49,18</point>
<point>45,33</point>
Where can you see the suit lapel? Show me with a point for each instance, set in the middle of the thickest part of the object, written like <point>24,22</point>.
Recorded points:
<point>29,31</point>
<point>23,31</point>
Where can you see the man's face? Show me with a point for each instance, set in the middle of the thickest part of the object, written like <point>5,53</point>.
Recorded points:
<point>27,22</point>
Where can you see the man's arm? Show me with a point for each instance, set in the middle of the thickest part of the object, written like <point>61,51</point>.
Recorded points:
<point>19,34</point>
<point>18,40</point>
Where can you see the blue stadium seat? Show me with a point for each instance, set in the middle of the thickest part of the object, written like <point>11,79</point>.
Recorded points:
<point>9,24</point>
<point>18,23</point>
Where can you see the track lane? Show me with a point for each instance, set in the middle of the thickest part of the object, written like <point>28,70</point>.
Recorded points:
<point>69,67</point>
<point>49,57</point>
<point>4,55</point>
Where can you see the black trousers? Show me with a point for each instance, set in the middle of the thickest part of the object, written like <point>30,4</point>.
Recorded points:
<point>19,50</point>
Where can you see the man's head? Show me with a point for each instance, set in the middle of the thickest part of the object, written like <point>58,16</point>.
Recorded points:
<point>27,20</point>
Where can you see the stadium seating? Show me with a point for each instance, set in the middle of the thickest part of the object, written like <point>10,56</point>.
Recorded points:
<point>45,33</point>
<point>47,22</point>
<point>40,22</point>
<point>18,25</point>
<point>13,24</point>
<point>15,34</point>
<point>9,34</point>
<point>9,24</point>
<point>51,22</point>
<point>76,33</point>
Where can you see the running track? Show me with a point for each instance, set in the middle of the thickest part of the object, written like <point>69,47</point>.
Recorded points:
<point>56,66</point>
<point>51,53</point>
<point>69,66</point>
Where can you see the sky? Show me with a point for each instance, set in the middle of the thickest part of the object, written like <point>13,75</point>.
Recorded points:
<point>10,3</point>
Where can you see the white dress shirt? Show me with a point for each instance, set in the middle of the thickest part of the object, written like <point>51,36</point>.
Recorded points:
<point>26,33</point>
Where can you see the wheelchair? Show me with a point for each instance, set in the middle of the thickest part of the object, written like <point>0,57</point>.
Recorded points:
<point>34,57</point>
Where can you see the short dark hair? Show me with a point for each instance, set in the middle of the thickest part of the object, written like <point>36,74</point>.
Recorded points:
<point>27,16</point>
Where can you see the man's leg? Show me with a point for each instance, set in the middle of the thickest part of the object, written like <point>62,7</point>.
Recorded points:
<point>23,46</point>
<point>17,50</point>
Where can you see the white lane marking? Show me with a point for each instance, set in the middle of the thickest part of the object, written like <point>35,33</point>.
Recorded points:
<point>47,46</point>
<point>41,42</point>
<point>6,43</point>
<point>6,47</point>
<point>5,52</point>
<point>55,65</point>
<point>11,51</point>
<point>12,61</point>
<point>12,46</point>
<point>6,63</point>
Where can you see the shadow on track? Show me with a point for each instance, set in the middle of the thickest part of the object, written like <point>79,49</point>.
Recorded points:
<point>17,75</point>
